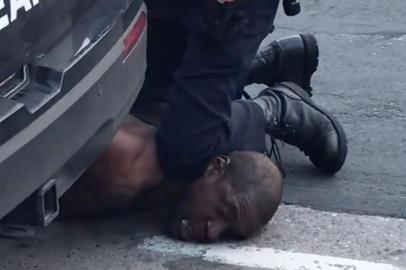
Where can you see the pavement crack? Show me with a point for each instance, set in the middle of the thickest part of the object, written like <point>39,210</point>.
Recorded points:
<point>386,34</point>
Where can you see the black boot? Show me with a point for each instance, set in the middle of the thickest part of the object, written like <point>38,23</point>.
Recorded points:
<point>295,119</point>
<point>292,59</point>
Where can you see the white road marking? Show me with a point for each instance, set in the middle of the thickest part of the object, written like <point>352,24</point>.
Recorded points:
<point>401,38</point>
<point>266,258</point>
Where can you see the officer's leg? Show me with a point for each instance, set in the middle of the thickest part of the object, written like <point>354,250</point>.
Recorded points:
<point>199,124</point>
<point>166,47</point>
<point>166,41</point>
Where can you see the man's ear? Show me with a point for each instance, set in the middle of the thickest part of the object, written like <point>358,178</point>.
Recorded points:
<point>218,165</point>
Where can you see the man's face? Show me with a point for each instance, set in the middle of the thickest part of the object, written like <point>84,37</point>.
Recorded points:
<point>208,212</point>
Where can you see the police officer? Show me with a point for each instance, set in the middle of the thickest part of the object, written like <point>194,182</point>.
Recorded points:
<point>205,50</point>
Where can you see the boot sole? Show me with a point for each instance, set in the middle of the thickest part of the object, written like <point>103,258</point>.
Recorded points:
<point>312,60</point>
<point>342,138</point>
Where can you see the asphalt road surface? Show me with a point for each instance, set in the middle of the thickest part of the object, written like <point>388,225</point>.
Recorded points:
<point>362,80</point>
<point>357,222</point>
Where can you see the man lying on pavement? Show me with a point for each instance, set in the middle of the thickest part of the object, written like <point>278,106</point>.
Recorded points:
<point>236,195</point>
<point>213,140</point>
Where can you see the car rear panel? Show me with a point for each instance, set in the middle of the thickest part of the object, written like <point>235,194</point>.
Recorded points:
<point>74,99</point>
<point>29,27</point>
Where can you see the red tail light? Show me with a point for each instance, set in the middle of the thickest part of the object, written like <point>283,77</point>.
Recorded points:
<point>132,38</point>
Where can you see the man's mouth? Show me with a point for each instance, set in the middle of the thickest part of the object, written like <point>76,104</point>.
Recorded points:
<point>187,233</point>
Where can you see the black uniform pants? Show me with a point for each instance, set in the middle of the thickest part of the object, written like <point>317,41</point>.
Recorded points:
<point>206,118</point>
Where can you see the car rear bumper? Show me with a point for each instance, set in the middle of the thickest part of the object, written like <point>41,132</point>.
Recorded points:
<point>69,132</point>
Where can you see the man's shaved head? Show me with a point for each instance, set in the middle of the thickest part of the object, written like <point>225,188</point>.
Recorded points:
<point>254,179</point>
<point>237,196</point>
